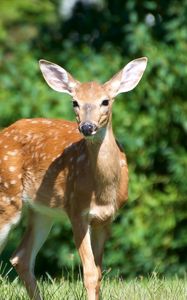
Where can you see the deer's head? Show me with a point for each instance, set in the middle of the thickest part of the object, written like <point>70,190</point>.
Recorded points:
<point>92,101</point>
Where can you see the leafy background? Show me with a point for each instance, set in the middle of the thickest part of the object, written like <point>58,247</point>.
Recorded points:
<point>94,42</point>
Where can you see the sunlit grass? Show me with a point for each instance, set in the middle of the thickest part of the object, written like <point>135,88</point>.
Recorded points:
<point>151,288</point>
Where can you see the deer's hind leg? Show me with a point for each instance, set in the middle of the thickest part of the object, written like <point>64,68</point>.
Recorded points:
<point>24,257</point>
<point>10,190</point>
<point>10,213</point>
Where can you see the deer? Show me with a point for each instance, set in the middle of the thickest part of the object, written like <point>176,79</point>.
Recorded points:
<point>53,166</point>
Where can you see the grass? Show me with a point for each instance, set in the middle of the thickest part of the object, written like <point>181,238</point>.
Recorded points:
<point>151,288</point>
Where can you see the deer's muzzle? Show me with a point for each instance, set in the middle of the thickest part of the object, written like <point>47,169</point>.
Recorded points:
<point>87,128</point>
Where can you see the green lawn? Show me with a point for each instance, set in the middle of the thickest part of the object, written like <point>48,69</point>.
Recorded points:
<point>151,288</point>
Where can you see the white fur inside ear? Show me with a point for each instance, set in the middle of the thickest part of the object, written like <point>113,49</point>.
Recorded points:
<point>57,77</point>
<point>131,74</point>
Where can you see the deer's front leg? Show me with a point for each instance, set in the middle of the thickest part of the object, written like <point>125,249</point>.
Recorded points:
<point>90,271</point>
<point>99,235</point>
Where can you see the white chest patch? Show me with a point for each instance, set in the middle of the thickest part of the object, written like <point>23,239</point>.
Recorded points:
<point>102,213</point>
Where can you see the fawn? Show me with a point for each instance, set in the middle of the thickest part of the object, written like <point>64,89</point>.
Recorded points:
<point>55,166</point>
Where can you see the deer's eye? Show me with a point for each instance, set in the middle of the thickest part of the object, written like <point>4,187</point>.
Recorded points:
<point>105,102</point>
<point>75,104</point>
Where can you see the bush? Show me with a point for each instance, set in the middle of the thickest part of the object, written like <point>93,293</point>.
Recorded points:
<point>150,122</point>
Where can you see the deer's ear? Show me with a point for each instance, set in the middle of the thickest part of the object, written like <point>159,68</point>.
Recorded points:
<point>57,77</point>
<point>128,78</point>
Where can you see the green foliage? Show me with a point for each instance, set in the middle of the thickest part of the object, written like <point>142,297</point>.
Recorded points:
<point>150,122</point>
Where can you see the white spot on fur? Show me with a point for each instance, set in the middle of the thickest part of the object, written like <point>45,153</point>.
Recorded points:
<point>29,135</point>
<point>16,138</point>
<point>12,131</point>
<point>5,157</point>
<point>13,182</point>
<point>12,153</point>
<point>123,163</point>
<point>6,184</point>
<point>12,169</point>
<point>46,122</point>
<point>7,134</point>
<point>6,200</point>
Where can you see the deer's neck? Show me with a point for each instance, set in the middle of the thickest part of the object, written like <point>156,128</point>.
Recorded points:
<point>104,157</point>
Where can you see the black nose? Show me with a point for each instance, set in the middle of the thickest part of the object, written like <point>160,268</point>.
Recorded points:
<point>87,128</point>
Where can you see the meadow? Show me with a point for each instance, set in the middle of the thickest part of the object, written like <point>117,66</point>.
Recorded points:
<point>148,288</point>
